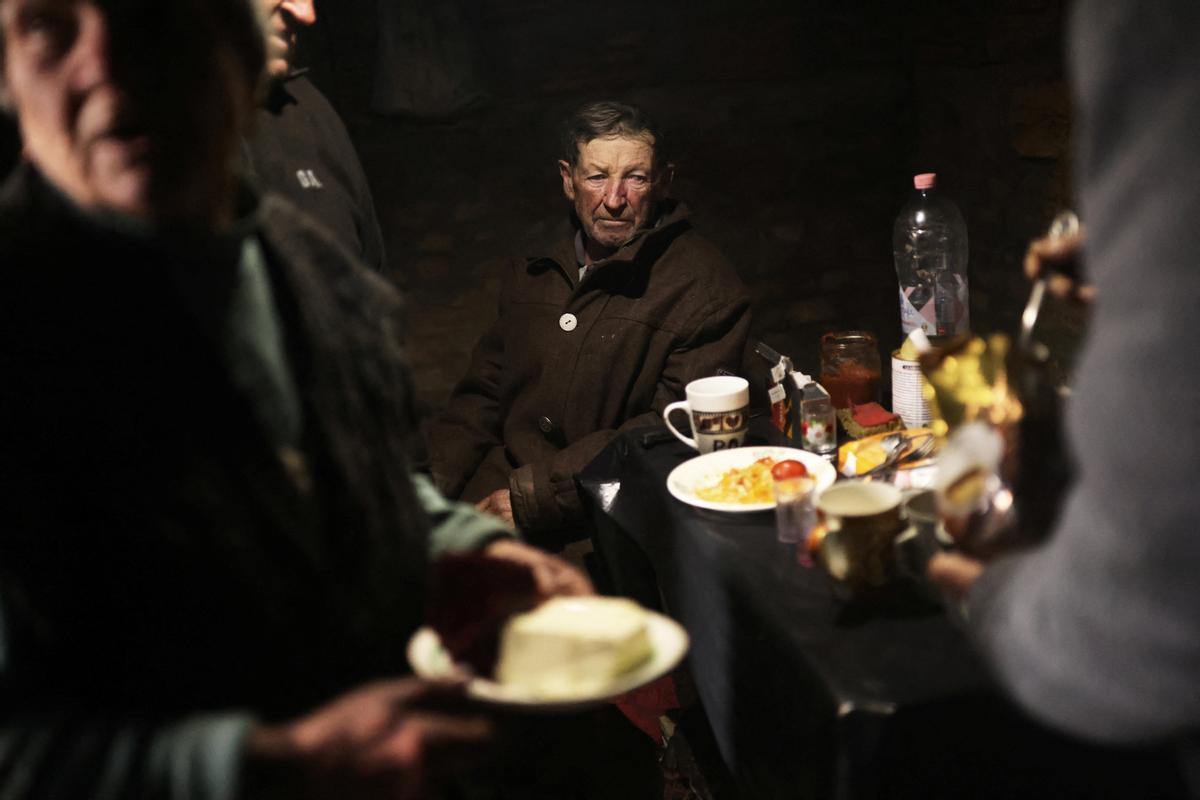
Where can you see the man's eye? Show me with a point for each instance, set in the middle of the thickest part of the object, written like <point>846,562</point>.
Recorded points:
<point>39,17</point>
<point>45,24</point>
<point>595,178</point>
<point>638,180</point>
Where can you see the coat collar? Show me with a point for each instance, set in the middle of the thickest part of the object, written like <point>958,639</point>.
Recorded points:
<point>672,221</point>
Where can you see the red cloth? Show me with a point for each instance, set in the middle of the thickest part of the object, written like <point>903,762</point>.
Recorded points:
<point>643,706</point>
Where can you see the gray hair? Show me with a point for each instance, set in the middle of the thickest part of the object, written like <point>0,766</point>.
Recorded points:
<point>604,118</point>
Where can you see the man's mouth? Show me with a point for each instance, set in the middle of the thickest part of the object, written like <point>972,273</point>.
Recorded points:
<point>133,140</point>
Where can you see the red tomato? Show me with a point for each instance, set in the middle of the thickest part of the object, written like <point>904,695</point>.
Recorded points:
<point>788,469</point>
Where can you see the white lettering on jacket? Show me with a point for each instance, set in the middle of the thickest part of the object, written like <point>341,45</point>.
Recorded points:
<point>308,179</point>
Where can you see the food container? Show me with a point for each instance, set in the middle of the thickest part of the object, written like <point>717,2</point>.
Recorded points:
<point>850,368</point>
<point>908,398</point>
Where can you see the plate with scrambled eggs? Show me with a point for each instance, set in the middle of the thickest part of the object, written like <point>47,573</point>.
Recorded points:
<point>740,480</point>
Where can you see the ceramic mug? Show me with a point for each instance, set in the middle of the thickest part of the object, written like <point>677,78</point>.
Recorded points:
<point>718,411</point>
<point>858,522</point>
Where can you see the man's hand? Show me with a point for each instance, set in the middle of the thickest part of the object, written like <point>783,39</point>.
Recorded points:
<point>499,504</point>
<point>553,575</point>
<point>1058,261</point>
<point>398,740</point>
<point>954,573</point>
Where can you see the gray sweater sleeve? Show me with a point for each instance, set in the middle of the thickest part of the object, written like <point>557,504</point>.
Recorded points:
<point>53,749</point>
<point>88,755</point>
<point>1098,631</point>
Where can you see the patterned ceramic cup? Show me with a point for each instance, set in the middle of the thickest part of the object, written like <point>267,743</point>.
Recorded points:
<point>718,410</point>
<point>858,521</point>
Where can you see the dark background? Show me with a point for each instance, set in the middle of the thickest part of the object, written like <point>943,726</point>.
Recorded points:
<point>796,128</point>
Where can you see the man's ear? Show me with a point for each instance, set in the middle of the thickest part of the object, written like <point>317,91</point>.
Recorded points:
<point>662,181</point>
<point>668,175</point>
<point>566,171</point>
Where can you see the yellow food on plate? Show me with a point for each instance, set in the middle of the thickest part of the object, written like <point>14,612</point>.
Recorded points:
<point>750,484</point>
<point>869,453</point>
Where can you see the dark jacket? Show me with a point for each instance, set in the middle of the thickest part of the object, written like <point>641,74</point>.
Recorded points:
<point>568,364</point>
<point>160,557</point>
<point>301,150</point>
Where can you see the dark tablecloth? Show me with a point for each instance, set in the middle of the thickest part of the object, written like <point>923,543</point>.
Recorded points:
<point>809,697</point>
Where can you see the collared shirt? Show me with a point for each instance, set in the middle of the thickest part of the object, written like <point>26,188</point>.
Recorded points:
<point>581,256</point>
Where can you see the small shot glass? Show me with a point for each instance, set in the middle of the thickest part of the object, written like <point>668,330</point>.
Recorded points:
<point>794,512</point>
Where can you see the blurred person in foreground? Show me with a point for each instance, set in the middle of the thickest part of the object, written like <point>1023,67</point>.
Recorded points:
<point>1097,631</point>
<point>300,148</point>
<point>598,330</point>
<point>212,553</point>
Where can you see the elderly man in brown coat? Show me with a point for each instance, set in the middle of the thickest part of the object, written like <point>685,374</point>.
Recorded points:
<point>597,332</point>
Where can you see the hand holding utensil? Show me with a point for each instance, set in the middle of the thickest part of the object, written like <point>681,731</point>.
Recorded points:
<point>1052,262</point>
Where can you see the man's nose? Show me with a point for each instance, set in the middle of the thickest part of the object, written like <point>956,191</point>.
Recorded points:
<point>614,194</point>
<point>91,49</point>
<point>303,11</point>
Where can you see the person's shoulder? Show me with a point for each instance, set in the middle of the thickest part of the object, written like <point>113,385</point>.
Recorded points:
<point>313,103</point>
<point>297,101</point>
<point>706,254</point>
<point>306,93</point>
<point>692,253</point>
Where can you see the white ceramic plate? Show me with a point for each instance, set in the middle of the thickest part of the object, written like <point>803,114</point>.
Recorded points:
<point>668,643</point>
<point>707,469</point>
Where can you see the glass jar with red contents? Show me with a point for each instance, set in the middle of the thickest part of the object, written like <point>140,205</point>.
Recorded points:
<point>850,368</point>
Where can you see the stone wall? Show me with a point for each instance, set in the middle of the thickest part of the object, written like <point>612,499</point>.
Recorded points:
<point>796,127</point>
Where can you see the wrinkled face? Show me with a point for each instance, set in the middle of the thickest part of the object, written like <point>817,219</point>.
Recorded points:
<point>130,105</point>
<point>613,187</point>
<point>283,17</point>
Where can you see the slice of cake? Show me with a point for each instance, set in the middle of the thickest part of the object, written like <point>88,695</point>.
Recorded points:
<point>572,646</point>
<point>868,419</point>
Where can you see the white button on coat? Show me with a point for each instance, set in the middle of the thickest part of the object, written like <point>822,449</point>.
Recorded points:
<point>567,322</point>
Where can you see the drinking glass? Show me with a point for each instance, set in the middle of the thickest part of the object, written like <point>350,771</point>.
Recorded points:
<point>794,512</point>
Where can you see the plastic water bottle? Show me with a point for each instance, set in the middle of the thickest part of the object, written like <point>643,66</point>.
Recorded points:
<point>929,243</point>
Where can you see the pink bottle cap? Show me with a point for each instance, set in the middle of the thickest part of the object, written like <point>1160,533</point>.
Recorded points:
<point>926,180</point>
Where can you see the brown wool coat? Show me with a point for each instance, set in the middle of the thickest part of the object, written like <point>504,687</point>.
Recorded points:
<point>569,364</point>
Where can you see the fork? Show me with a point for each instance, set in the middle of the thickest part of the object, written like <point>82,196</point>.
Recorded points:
<point>904,452</point>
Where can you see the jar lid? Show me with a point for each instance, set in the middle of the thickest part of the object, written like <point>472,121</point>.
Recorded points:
<point>847,338</point>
